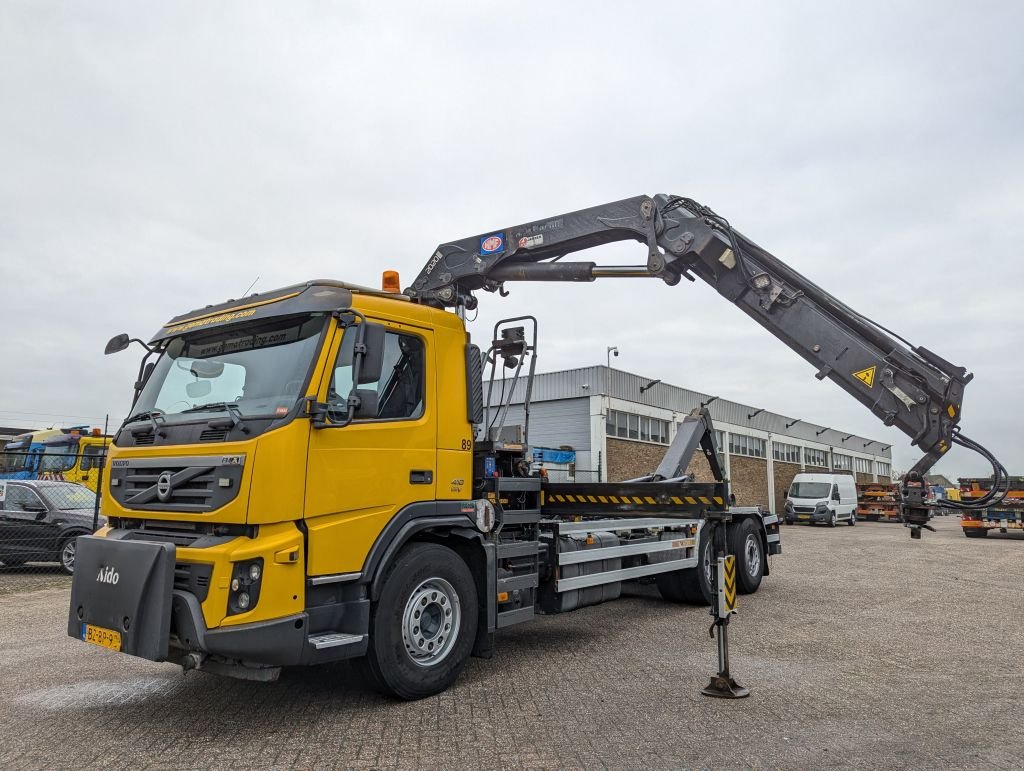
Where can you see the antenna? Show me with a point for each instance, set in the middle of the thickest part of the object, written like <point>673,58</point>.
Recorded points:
<point>250,287</point>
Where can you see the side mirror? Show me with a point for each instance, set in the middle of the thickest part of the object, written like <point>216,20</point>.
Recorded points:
<point>198,389</point>
<point>835,495</point>
<point>116,344</point>
<point>373,360</point>
<point>35,507</point>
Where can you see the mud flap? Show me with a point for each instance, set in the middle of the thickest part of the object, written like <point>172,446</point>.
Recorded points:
<point>124,587</point>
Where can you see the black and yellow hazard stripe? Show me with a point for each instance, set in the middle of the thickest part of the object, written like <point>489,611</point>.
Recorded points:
<point>683,498</point>
<point>729,583</point>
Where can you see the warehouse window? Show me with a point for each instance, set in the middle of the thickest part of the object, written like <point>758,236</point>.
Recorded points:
<point>842,462</point>
<point>815,457</point>
<point>740,444</point>
<point>720,440</point>
<point>788,453</point>
<point>862,465</point>
<point>626,425</point>
<point>884,469</point>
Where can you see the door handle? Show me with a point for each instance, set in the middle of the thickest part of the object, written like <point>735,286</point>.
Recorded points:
<point>421,477</point>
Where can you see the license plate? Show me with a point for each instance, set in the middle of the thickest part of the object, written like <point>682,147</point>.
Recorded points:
<point>803,516</point>
<point>97,635</point>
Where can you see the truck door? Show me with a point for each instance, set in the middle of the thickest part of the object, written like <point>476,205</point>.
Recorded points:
<point>360,475</point>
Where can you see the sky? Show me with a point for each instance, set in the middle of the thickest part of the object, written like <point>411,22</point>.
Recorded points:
<point>158,157</point>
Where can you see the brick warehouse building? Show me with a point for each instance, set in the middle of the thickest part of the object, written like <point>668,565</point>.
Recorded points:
<point>619,431</point>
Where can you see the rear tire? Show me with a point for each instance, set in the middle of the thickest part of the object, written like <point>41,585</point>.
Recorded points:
<point>691,586</point>
<point>746,545</point>
<point>423,626</point>
<point>975,532</point>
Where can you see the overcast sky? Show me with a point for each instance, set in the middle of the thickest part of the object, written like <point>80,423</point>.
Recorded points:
<point>156,157</point>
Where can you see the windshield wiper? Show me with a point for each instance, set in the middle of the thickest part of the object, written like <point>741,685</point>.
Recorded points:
<point>151,416</point>
<point>233,410</point>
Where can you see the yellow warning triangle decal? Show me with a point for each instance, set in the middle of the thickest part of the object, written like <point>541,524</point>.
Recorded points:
<point>866,376</point>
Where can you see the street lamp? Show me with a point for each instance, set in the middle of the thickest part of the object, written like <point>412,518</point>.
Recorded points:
<point>612,349</point>
<point>649,385</point>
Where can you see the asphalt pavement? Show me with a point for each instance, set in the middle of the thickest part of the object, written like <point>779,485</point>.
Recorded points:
<point>862,649</point>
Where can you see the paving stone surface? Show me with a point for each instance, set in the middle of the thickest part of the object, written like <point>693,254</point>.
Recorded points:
<point>863,649</point>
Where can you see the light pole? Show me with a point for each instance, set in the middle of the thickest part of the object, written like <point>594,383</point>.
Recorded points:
<point>612,349</point>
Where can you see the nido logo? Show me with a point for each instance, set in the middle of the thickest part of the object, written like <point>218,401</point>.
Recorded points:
<point>107,576</point>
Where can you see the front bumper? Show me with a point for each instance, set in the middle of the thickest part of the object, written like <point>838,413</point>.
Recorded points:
<point>127,587</point>
<point>809,518</point>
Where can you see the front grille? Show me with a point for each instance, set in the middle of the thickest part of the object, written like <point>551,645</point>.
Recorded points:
<point>186,484</point>
<point>147,438</point>
<point>193,577</point>
<point>191,493</point>
<point>803,509</point>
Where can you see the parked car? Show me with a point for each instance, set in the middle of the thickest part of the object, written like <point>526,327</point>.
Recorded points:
<point>824,498</point>
<point>40,521</point>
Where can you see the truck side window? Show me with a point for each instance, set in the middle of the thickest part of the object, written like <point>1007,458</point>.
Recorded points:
<point>92,457</point>
<point>400,389</point>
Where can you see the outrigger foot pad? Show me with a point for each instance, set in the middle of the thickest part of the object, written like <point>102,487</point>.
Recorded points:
<point>725,687</point>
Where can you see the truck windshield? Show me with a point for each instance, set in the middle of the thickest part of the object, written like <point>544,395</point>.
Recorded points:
<point>59,456</point>
<point>810,489</point>
<point>260,369</point>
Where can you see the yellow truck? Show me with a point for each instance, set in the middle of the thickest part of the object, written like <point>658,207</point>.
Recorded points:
<point>318,472</point>
<point>74,456</point>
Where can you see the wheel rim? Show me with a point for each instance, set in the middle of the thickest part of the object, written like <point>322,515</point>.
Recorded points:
<point>752,552</point>
<point>707,566</point>
<point>67,556</point>
<point>431,621</point>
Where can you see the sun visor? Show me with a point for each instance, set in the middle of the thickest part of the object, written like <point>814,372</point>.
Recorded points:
<point>312,297</point>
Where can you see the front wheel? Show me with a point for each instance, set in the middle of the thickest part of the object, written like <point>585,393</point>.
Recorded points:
<point>66,554</point>
<point>422,628</point>
<point>832,520</point>
<point>853,519</point>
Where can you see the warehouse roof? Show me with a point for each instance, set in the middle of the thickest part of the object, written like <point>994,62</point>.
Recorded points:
<point>616,383</point>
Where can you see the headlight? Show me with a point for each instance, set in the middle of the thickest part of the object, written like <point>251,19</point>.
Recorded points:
<point>245,586</point>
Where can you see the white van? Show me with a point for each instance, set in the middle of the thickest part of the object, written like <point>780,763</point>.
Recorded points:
<point>825,498</point>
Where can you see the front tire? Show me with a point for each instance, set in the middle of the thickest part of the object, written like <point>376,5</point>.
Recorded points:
<point>975,532</point>
<point>853,519</point>
<point>66,554</point>
<point>423,626</point>
<point>832,520</point>
<point>746,545</point>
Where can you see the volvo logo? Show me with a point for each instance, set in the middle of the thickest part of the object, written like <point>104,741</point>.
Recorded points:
<point>163,486</point>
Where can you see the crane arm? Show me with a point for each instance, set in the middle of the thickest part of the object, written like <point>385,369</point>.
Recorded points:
<point>906,386</point>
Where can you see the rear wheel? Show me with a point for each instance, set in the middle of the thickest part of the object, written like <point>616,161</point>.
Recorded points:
<point>422,628</point>
<point>693,585</point>
<point>745,543</point>
<point>975,532</point>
